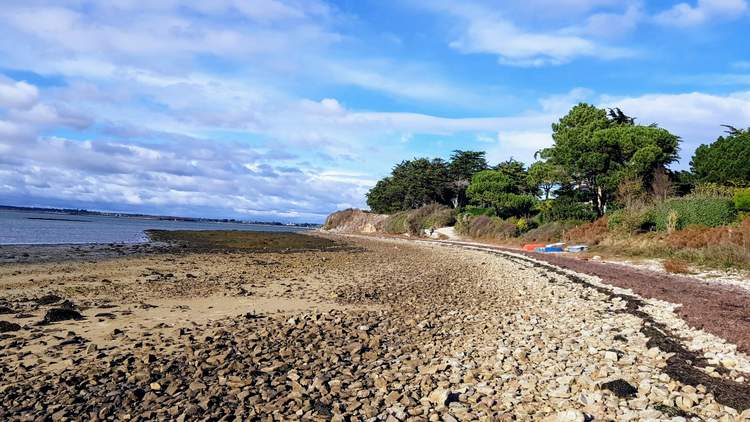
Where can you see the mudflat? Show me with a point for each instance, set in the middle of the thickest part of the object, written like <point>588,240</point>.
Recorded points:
<point>229,325</point>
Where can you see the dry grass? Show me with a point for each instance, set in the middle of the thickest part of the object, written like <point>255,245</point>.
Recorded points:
<point>590,234</point>
<point>676,266</point>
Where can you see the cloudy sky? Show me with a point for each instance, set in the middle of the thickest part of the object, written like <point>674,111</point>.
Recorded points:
<point>287,110</point>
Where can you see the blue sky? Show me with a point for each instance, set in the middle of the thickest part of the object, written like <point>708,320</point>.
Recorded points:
<point>288,110</point>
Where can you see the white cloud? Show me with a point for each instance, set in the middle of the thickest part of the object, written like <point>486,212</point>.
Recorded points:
<point>519,145</point>
<point>484,30</point>
<point>17,94</point>
<point>695,117</point>
<point>685,14</point>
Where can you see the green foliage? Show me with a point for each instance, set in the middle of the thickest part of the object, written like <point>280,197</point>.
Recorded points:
<point>631,220</point>
<point>414,222</point>
<point>492,188</point>
<point>464,164</point>
<point>485,184</point>
<point>433,216</point>
<point>712,190</point>
<point>599,153</point>
<point>544,176</point>
<point>709,212</point>
<point>513,205</point>
<point>396,223</point>
<point>462,167</point>
<point>724,161</point>
<point>411,185</point>
<point>476,211</point>
<point>515,171</point>
<point>522,225</point>
<point>565,208</point>
<point>683,182</point>
<point>742,199</point>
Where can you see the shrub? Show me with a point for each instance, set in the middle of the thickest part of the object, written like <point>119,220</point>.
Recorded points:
<point>477,211</point>
<point>511,204</point>
<point>396,223</point>
<point>742,199</point>
<point>676,266</point>
<point>631,220</point>
<point>711,190</point>
<point>709,212</point>
<point>522,225</point>
<point>562,209</point>
<point>591,234</point>
<point>549,232</point>
<point>415,221</point>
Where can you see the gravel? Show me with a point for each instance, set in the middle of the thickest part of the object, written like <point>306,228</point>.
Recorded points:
<point>419,333</point>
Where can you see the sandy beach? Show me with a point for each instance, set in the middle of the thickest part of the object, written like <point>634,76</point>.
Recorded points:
<point>330,327</point>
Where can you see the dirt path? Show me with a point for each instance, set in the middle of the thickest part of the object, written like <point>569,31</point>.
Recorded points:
<point>388,329</point>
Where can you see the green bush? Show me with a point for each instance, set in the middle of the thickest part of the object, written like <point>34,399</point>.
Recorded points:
<point>477,211</point>
<point>415,221</point>
<point>709,212</point>
<point>563,209</point>
<point>549,232</point>
<point>742,199</point>
<point>396,223</point>
<point>631,220</point>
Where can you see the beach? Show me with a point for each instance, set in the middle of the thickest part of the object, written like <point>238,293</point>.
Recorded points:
<point>254,326</point>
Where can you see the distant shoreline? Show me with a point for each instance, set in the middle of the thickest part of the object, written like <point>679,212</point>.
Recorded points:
<point>84,212</point>
<point>58,219</point>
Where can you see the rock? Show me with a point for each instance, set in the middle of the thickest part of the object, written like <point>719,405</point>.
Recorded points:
<point>620,388</point>
<point>442,397</point>
<point>729,363</point>
<point>48,299</point>
<point>155,386</point>
<point>4,310</point>
<point>197,386</point>
<point>61,314</point>
<point>6,326</point>
<point>610,355</point>
<point>566,416</point>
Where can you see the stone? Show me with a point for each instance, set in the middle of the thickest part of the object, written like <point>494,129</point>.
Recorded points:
<point>571,415</point>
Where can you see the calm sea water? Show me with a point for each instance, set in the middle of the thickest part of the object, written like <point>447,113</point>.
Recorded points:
<point>47,228</point>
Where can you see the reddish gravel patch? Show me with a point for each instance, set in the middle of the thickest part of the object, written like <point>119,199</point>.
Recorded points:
<point>720,310</point>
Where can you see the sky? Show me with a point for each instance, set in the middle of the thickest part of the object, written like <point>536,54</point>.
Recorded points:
<point>287,110</point>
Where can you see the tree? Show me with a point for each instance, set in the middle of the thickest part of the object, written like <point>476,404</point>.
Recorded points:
<point>461,168</point>
<point>412,184</point>
<point>545,176</point>
<point>725,161</point>
<point>597,153</point>
<point>516,172</point>
<point>617,117</point>
<point>492,188</point>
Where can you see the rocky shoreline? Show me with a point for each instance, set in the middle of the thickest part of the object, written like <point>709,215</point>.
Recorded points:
<point>381,330</point>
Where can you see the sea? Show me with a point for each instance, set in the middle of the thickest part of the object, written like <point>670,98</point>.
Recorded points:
<point>28,227</point>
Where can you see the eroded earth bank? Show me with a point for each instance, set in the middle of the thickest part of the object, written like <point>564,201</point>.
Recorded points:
<point>344,328</point>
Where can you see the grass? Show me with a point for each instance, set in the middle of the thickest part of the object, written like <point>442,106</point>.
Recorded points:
<point>244,240</point>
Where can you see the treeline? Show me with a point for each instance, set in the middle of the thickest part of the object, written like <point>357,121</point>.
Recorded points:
<point>601,161</point>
